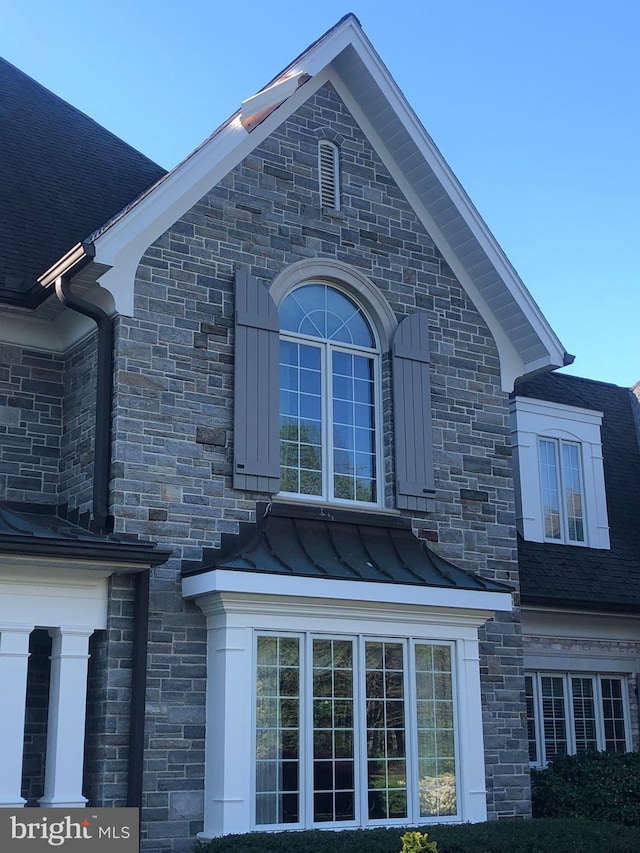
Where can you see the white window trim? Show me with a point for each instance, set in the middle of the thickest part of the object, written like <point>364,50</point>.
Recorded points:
<point>569,711</point>
<point>237,604</point>
<point>535,419</point>
<point>355,284</point>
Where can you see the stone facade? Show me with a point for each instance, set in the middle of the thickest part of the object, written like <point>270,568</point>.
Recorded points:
<point>47,421</point>
<point>31,393</point>
<point>173,424</point>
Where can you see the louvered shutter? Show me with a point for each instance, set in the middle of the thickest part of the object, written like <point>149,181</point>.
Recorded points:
<point>257,341</point>
<point>412,415</point>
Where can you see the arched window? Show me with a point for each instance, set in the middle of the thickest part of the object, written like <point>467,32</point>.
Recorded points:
<point>316,431</point>
<point>329,397</point>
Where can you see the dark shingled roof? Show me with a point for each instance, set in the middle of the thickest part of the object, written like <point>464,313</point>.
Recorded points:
<point>336,544</point>
<point>62,177</point>
<point>570,575</point>
<point>46,531</point>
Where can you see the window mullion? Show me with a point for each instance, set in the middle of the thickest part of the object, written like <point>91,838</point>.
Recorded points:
<point>599,712</point>
<point>538,711</point>
<point>361,736</point>
<point>564,521</point>
<point>306,718</point>
<point>327,421</point>
<point>411,735</point>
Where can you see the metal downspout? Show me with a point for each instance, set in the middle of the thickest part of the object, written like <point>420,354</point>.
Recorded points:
<point>104,393</point>
<point>104,523</point>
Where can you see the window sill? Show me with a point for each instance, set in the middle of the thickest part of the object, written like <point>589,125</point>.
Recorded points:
<point>353,507</point>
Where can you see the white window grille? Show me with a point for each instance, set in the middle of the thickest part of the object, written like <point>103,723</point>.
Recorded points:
<point>336,718</point>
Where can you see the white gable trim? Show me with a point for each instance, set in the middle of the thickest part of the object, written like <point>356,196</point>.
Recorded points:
<point>525,341</point>
<point>270,97</point>
<point>122,245</point>
<point>511,364</point>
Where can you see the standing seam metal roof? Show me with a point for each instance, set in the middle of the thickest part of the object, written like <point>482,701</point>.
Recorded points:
<point>336,544</point>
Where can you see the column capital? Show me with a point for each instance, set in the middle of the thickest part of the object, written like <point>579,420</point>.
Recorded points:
<point>71,631</point>
<point>16,628</point>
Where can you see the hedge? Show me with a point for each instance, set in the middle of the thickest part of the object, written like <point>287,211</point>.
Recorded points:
<point>507,836</point>
<point>591,785</point>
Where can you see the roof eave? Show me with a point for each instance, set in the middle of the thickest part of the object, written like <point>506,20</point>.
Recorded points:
<point>127,557</point>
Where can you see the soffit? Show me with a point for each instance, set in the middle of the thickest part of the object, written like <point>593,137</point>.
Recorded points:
<point>456,220</point>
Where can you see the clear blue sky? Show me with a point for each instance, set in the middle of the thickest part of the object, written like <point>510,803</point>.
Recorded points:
<point>535,104</point>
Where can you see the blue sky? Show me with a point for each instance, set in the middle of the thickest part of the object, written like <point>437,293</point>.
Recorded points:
<point>535,106</point>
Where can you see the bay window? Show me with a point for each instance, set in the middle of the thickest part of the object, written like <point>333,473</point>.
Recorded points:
<point>353,731</point>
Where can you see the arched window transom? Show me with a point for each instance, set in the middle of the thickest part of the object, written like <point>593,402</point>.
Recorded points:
<point>329,398</point>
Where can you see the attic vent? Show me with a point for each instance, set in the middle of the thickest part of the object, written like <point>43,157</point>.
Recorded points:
<point>329,186</point>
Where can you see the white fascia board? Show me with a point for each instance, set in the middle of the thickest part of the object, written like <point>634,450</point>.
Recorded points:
<point>578,625</point>
<point>52,596</point>
<point>271,96</point>
<point>59,568</point>
<point>287,587</point>
<point>546,409</point>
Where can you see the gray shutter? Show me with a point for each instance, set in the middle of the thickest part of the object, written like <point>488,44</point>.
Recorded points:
<point>412,415</point>
<point>256,465</point>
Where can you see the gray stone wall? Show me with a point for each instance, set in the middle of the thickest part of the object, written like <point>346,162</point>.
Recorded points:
<point>47,414</point>
<point>174,406</point>
<point>78,426</point>
<point>31,388</point>
<point>108,700</point>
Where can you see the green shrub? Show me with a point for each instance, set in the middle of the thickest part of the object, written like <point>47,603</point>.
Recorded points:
<point>505,836</point>
<point>416,842</point>
<point>591,785</point>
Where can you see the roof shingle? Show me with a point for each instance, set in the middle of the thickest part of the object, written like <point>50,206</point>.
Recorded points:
<point>63,176</point>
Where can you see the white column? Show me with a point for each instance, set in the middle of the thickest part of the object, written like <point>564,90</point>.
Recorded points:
<point>470,736</point>
<point>66,723</point>
<point>14,657</point>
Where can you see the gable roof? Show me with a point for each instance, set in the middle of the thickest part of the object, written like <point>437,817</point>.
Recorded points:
<point>592,578</point>
<point>63,175</point>
<point>345,57</point>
